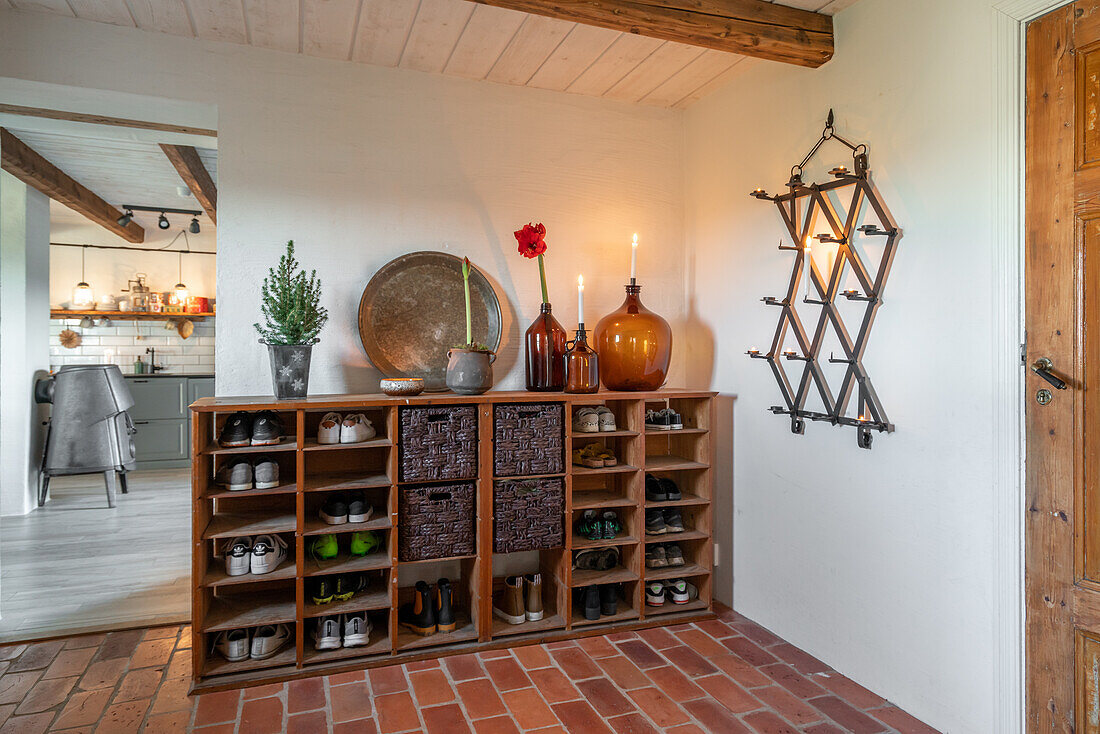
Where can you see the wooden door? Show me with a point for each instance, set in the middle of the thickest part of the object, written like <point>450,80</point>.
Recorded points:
<point>1062,300</point>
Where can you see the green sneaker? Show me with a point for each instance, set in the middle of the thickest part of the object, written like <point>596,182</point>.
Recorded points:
<point>363,543</point>
<point>324,548</point>
<point>610,525</point>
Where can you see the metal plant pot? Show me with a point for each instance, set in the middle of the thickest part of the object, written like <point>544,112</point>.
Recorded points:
<point>470,372</point>
<point>289,369</point>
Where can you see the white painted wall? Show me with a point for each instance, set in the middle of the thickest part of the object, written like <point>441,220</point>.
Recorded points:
<point>881,563</point>
<point>360,164</point>
<point>24,338</point>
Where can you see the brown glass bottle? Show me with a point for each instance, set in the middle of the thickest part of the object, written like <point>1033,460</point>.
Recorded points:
<point>582,366</point>
<point>545,353</point>
<point>635,346</point>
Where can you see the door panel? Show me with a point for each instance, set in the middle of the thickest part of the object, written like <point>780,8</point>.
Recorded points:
<point>158,397</point>
<point>161,439</point>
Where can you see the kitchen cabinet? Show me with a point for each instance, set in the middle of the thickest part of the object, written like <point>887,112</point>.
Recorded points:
<point>161,417</point>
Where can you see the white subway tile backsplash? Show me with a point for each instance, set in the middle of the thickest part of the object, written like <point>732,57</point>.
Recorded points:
<point>124,341</point>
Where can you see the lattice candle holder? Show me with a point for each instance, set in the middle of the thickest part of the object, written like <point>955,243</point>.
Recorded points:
<point>798,209</point>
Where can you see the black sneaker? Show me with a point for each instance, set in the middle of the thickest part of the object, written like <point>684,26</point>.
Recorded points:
<point>610,525</point>
<point>419,614</point>
<point>335,510</point>
<point>588,600</point>
<point>609,599</point>
<point>675,420</point>
<point>267,429</point>
<point>656,420</point>
<point>672,492</point>
<point>654,522</point>
<point>323,591</point>
<point>358,508</point>
<point>655,490</point>
<point>444,613</point>
<point>673,555</point>
<point>609,559</point>
<point>237,431</point>
<point>349,585</point>
<point>674,523</point>
<point>589,525</point>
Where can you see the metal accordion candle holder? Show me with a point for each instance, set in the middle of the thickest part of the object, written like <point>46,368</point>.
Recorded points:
<point>799,209</point>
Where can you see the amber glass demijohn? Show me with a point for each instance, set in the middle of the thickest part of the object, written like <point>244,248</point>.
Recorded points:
<point>635,346</point>
<point>545,348</point>
<point>582,366</point>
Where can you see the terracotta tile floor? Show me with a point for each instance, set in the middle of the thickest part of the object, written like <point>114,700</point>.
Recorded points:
<point>724,676</point>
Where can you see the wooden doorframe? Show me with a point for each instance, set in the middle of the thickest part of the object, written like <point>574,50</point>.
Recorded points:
<point>1010,20</point>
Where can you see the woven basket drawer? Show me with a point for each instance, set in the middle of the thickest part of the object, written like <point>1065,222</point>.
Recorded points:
<point>528,439</point>
<point>437,442</point>
<point>528,514</point>
<point>436,521</point>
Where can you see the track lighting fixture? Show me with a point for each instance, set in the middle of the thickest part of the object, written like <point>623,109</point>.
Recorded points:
<point>126,218</point>
<point>162,221</point>
<point>194,225</point>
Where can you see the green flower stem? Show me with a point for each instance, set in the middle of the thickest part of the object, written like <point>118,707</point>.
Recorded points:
<point>542,279</point>
<point>469,320</point>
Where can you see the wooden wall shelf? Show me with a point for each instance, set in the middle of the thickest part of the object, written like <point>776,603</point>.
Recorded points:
<point>310,470</point>
<point>61,313</point>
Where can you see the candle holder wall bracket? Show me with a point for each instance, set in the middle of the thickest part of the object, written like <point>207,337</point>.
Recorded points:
<point>799,208</point>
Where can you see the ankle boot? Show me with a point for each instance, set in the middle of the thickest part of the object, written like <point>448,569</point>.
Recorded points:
<point>509,607</point>
<point>419,614</point>
<point>609,599</point>
<point>588,602</point>
<point>533,596</point>
<point>444,614</point>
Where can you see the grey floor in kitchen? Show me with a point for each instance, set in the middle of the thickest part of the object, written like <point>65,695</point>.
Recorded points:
<point>77,566</point>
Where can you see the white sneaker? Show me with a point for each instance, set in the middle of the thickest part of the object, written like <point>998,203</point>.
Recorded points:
<point>233,645</point>
<point>329,430</point>
<point>356,428</point>
<point>268,640</point>
<point>268,551</point>
<point>326,635</point>
<point>237,556</point>
<point>357,628</point>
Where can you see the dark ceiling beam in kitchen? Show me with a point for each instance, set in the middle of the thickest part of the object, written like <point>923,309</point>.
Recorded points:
<point>747,27</point>
<point>23,162</point>
<point>191,169</point>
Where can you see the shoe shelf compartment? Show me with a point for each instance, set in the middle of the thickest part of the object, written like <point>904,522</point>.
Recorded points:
<point>311,472</point>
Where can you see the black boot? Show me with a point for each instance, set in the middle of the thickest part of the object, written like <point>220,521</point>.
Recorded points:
<point>419,614</point>
<point>588,601</point>
<point>444,614</point>
<point>609,599</point>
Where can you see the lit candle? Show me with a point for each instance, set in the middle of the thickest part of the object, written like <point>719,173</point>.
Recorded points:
<point>580,299</point>
<point>634,259</point>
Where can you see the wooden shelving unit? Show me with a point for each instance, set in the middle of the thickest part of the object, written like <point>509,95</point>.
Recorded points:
<point>309,471</point>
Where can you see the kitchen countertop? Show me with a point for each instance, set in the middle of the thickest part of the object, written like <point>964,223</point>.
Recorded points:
<point>171,374</point>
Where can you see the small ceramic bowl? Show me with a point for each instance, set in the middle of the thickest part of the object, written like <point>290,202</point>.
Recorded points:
<point>401,386</point>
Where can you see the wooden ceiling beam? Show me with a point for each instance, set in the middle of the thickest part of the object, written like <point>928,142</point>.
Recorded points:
<point>747,27</point>
<point>23,162</point>
<point>191,169</point>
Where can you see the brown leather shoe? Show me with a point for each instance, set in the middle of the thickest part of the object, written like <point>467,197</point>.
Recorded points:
<point>509,607</point>
<point>533,596</point>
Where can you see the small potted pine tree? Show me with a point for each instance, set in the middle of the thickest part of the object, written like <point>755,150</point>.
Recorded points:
<point>470,365</point>
<point>293,318</point>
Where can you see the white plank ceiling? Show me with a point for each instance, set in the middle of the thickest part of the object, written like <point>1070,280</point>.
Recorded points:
<point>442,36</point>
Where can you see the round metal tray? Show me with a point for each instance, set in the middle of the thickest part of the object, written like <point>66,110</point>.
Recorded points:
<point>414,309</point>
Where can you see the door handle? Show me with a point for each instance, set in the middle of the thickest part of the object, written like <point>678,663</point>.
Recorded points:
<point>1044,368</point>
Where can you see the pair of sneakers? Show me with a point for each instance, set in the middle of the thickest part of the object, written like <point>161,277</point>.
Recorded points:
<point>666,419</point>
<point>239,474</point>
<point>598,600</point>
<point>598,419</point>
<point>340,509</point>
<point>352,428</point>
<point>259,644</point>
<point>661,489</point>
<point>251,429</point>
<point>597,559</point>
<point>663,555</point>
<point>328,589</point>
<point>356,629</point>
<point>659,522</point>
<point>595,525</point>
<point>326,547</point>
<point>676,591</point>
<point>259,555</point>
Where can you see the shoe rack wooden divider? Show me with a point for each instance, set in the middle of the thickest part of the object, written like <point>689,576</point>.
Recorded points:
<point>309,470</point>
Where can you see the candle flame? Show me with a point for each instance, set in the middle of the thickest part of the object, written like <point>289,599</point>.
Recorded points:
<point>635,243</point>
<point>580,281</point>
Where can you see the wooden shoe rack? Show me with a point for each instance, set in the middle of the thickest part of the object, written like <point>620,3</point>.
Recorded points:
<point>309,471</point>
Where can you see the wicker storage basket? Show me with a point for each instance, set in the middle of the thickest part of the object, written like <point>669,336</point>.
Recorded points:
<point>436,521</point>
<point>528,438</point>
<point>528,515</point>
<point>437,442</point>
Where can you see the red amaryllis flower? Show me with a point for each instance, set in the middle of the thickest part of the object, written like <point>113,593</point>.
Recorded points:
<point>531,240</point>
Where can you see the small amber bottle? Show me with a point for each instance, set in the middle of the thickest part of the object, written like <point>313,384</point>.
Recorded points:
<point>582,365</point>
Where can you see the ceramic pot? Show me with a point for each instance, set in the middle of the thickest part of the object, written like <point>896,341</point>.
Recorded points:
<point>289,369</point>
<point>470,372</point>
